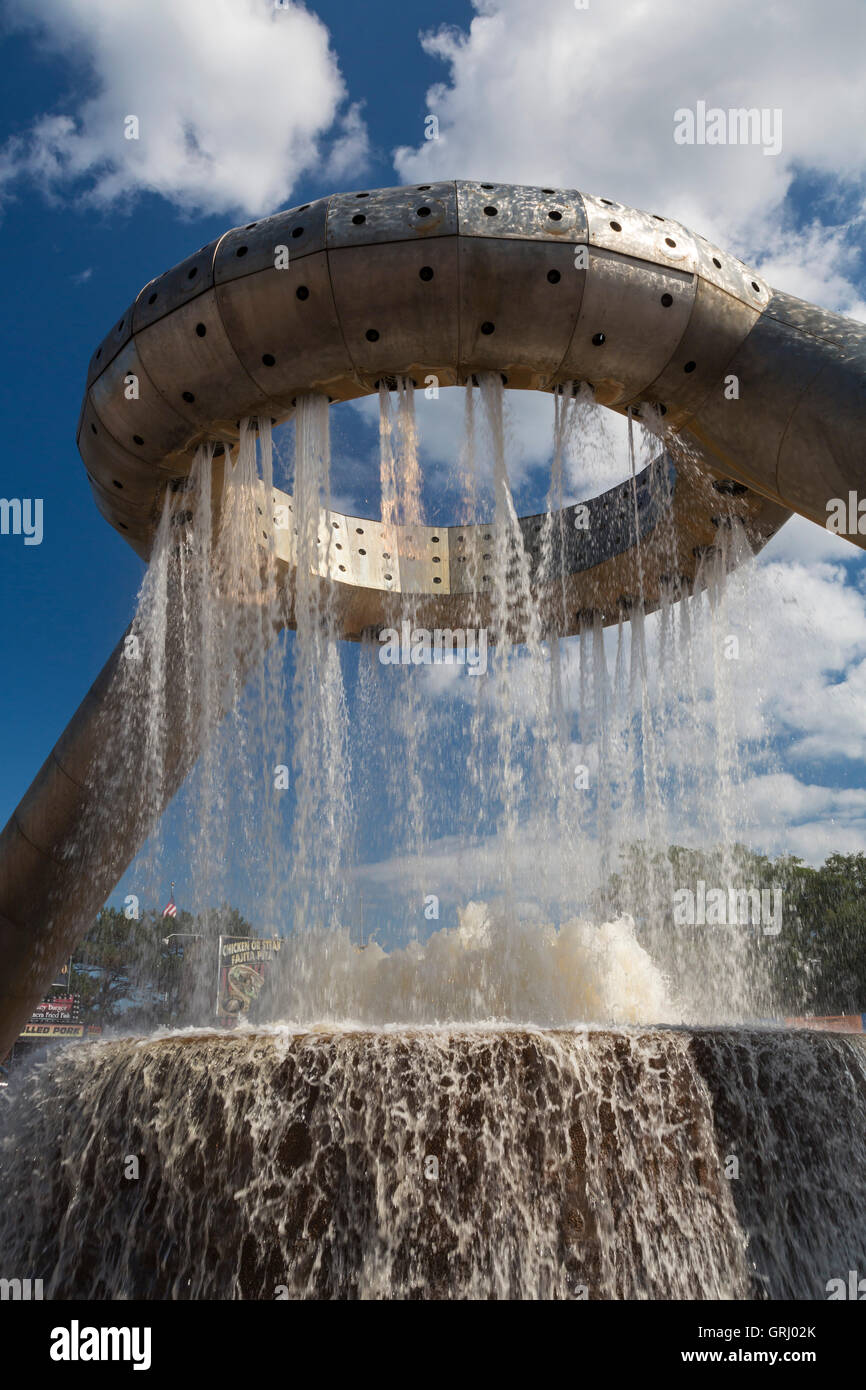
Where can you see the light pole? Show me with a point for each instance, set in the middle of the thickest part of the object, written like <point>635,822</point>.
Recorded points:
<point>176,936</point>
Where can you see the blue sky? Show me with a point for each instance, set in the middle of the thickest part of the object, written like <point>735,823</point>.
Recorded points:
<point>65,602</point>
<point>289,104</point>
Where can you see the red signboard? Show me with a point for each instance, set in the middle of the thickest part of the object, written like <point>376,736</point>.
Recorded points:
<point>61,1009</point>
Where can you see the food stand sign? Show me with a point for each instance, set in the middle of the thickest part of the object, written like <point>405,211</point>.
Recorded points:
<point>243,964</point>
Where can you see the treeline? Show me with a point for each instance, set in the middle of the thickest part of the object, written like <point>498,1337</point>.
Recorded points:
<point>817,961</point>
<point>126,972</point>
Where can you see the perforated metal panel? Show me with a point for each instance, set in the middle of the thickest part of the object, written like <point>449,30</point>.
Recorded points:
<point>396,304</point>
<point>368,218</point>
<point>288,341</point>
<point>547,286</point>
<point>519,302</point>
<point>718,325</point>
<point>586,551</point>
<point>184,282</point>
<point>296,233</point>
<point>191,360</point>
<point>116,337</point>
<point>515,210</point>
<point>632,318</point>
<point>128,405</point>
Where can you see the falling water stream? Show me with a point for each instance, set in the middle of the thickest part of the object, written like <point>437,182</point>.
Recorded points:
<point>492,1086</point>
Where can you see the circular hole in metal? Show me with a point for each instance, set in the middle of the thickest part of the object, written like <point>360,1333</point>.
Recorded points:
<point>372,335</point>
<point>201,329</point>
<point>690,366</point>
<point>717,263</point>
<point>423,212</point>
<point>152,298</point>
<point>554,215</point>
<point>615,227</point>
<point>488,186</point>
<point>242,251</point>
<point>93,427</point>
<point>249,226</point>
<point>436,579</point>
<point>359,219</point>
<point>657,218</point>
<point>342,568</point>
<point>437,559</point>
<point>137,439</point>
<point>424,187</point>
<point>490,212</point>
<point>188,396</point>
<point>191,274</point>
<point>336,525</point>
<point>597,339</point>
<point>297,231</point>
<point>268,359</point>
<point>304,208</point>
<point>117,484</point>
<point>554,277</point>
<point>385,555</point>
<point>488,328</point>
<point>426,272</point>
<point>669,241</point>
<point>667,300</point>
<point>361,552</point>
<point>337,545</point>
<point>388,576</point>
<point>548,190</point>
<point>756,287</point>
<point>302,292</point>
<point>359,530</point>
<point>435,540</point>
<point>362,195</point>
<point>607,202</point>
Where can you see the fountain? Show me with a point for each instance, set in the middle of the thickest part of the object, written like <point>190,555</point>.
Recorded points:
<point>536,1100</point>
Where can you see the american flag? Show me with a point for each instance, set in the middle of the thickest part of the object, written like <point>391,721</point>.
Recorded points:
<point>170,910</point>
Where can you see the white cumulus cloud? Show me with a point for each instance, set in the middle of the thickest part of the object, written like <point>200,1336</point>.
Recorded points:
<point>586,98</point>
<point>235,100</point>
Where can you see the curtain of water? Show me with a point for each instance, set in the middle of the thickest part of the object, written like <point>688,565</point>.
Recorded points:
<point>405,709</point>
<point>565,752</point>
<point>321,754</point>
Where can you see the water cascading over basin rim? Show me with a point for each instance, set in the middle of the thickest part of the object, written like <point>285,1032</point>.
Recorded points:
<point>454,279</point>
